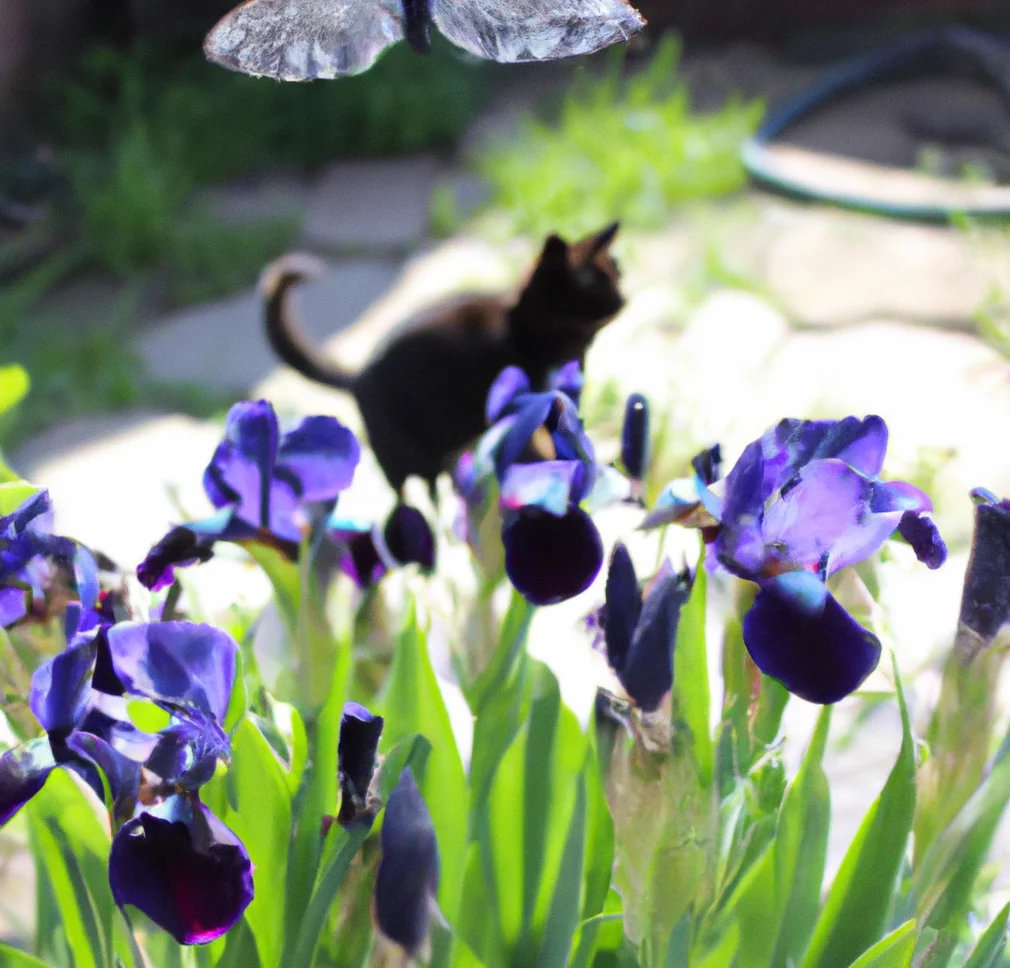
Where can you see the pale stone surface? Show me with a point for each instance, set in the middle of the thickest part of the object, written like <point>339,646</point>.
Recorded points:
<point>830,267</point>
<point>374,203</point>
<point>262,197</point>
<point>118,482</point>
<point>222,345</point>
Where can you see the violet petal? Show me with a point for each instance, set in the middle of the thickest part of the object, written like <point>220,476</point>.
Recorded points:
<point>23,772</point>
<point>178,663</point>
<point>61,688</point>
<point>241,470</point>
<point>322,454</point>
<point>507,385</point>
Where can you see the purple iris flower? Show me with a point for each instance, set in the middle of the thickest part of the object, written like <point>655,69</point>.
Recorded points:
<point>369,553</point>
<point>173,858</point>
<point>407,878</point>
<point>545,466</point>
<point>29,553</point>
<point>802,502</point>
<point>175,861</point>
<point>985,601</point>
<point>356,752</point>
<point>264,483</point>
<point>640,632</point>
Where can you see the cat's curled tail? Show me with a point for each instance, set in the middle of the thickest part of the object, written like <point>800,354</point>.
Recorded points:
<point>284,330</point>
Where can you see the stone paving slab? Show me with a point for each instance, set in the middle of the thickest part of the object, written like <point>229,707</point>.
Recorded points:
<point>222,345</point>
<point>375,204</point>
<point>833,267</point>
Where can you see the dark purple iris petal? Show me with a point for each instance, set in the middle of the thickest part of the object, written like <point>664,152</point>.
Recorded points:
<point>187,751</point>
<point>240,472</point>
<point>183,868</point>
<point>409,538</point>
<point>708,465</point>
<point>28,512</point>
<point>183,545</point>
<point>321,454</point>
<point>23,772</point>
<point>622,609</point>
<point>90,754</point>
<point>924,537</point>
<point>356,750</point>
<point>104,678</point>
<point>985,601</point>
<point>549,558</point>
<point>647,673</point>
<point>635,436</point>
<point>362,561</point>
<point>407,878</point>
<point>797,633</point>
<point>61,688</point>
<point>509,384</point>
<point>177,663</point>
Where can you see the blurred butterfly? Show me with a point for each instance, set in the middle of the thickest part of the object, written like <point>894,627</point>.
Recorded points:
<point>300,40</point>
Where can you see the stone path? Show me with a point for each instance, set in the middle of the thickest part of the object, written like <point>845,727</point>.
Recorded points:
<point>830,313</point>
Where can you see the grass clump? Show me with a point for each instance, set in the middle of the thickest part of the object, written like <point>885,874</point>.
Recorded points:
<point>621,148</point>
<point>222,124</point>
<point>141,133</point>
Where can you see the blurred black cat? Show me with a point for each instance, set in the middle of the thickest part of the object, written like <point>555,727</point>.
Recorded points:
<point>422,395</point>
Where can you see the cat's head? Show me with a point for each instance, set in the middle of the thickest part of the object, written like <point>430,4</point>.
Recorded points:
<point>582,277</point>
<point>572,293</point>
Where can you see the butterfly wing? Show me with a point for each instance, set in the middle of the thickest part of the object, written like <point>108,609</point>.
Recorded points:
<point>535,30</point>
<point>300,40</point>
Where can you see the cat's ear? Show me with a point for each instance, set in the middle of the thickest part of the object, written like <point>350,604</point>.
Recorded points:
<point>554,254</point>
<point>588,250</point>
<point>601,241</point>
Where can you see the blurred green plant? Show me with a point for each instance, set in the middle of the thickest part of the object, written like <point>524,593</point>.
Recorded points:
<point>628,148</point>
<point>223,124</point>
<point>74,369</point>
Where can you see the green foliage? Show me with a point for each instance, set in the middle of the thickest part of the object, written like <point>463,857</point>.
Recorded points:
<point>413,704</point>
<point>78,367</point>
<point>861,896</point>
<point>629,149</point>
<point>224,124</point>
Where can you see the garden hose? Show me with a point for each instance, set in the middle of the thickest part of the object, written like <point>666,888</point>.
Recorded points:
<point>869,187</point>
